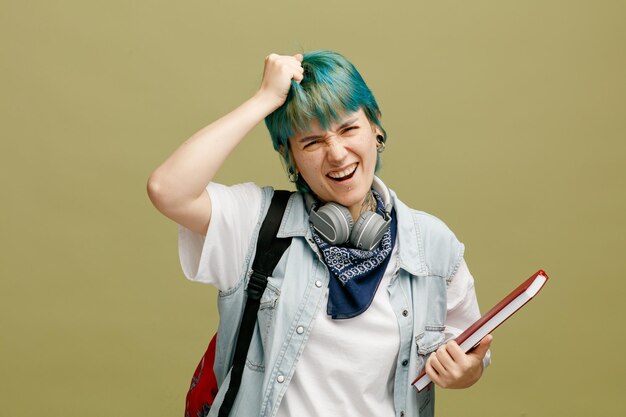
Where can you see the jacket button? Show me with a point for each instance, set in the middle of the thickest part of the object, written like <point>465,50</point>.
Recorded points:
<point>300,330</point>
<point>401,413</point>
<point>318,283</point>
<point>405,362</point>
<point>280,379</point>
<point>405,313</point>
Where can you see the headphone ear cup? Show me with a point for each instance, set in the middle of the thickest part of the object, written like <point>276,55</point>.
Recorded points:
<point>333,222</point>
<point>368,231</point>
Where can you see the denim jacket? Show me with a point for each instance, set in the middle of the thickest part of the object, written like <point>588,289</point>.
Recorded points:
<point>428,256</point>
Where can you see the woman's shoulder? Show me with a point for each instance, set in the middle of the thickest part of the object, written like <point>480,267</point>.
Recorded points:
<point>235,189</point>
<point>247,194</point>
<point>242,189</point>
<point>425,221</point>
<point>246,197</point>
<point>437,245</point>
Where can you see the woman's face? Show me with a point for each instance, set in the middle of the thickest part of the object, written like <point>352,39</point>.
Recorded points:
<point>338,164</point>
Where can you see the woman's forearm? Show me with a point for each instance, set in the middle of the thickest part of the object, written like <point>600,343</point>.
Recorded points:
<point>186,173</point>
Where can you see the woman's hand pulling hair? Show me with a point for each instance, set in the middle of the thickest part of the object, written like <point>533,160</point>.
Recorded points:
<point>277,75</point>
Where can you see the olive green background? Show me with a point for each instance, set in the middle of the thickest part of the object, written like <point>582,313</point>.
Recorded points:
<point>506,119</point>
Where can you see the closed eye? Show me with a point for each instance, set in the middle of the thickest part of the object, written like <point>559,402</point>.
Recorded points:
<point>311,143</point>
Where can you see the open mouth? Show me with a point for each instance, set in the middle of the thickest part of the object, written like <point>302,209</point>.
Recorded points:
<point>344,174</point>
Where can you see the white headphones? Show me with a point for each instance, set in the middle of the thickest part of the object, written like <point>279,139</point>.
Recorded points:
<point>335,225</point>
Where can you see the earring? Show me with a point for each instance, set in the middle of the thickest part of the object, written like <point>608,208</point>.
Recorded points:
<point>380,146</point>
<point>293,175</point>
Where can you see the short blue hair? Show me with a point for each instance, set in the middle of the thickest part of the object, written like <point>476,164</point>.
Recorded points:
<point>331,87</point>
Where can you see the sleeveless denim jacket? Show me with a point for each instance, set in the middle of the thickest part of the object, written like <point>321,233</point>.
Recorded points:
<point>428,257</point>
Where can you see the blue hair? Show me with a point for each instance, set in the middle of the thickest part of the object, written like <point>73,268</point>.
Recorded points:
<point>331,88</point>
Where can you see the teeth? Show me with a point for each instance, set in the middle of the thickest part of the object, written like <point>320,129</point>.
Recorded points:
<point>340,174</point>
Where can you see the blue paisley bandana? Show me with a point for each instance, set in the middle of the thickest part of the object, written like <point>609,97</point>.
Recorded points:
<point>354,273</point>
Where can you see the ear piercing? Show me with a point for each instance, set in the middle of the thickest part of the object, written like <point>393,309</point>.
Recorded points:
<point>293,175</point>
<point>380,146</point>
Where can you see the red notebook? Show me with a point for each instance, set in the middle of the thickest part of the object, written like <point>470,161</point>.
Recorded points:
<point>493,318</point>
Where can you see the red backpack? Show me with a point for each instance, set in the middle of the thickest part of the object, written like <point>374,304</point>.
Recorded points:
<point>203,388</point>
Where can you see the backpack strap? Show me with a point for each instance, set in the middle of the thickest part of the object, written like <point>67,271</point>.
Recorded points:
<point>269,250</point>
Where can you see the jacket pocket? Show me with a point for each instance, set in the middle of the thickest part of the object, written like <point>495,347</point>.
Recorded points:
<point>265,319</point>
<point>427,342</point>
<point>430,339</point>
<point>267,307</point>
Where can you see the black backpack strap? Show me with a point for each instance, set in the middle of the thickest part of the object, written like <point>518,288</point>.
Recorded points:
<point>269,249</point>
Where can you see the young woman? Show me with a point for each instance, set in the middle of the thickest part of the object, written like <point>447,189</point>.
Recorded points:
<point>353,313</point>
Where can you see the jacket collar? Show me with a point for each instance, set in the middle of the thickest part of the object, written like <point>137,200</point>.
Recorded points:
<point>295,222</point>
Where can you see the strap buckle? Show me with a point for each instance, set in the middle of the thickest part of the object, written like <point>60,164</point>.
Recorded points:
<point>257,285</point>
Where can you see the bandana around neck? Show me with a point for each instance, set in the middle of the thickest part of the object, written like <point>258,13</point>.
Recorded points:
<point>355,274</point>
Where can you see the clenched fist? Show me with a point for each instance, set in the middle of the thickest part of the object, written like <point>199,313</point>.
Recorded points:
<point>277,75</point>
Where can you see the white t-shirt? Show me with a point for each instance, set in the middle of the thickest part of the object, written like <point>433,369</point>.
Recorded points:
<point>347,364</point>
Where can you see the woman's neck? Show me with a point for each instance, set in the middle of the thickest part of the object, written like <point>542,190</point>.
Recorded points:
<point>368,204</point>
